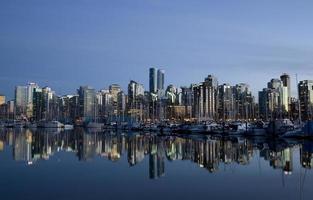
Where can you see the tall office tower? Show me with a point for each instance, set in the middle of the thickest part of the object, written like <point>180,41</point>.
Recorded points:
<point>274,84</point>
<point>269,104</point>
<point>263,106</point>
<point>2,99</point>
<point>206,99</point>
<point>135,90</point>
<point>51,103</point>
<point>114,90</point>
<point>285,78</point>
<point>24,99</point>
<point>161,75</point>
<point>136,94</point>
<point>153,81</point>
<point>187,100</point>
<point>226,102</point>
<point>39,108</point>
<point>21,100</point>
<point>244,102</point>
<point>30,90</point>
<point>306,99</point>
<point>45,104</point>
<point>87,104</point>
<point>121,103</point>
<point>283,94</point>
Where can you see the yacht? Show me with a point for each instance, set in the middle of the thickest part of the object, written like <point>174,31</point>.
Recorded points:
<point>53,124</point>
<point>280,126</point>
<point>305,131</point>
<point>239,127</point>
<point>68,127</point>
<point>95,125</point>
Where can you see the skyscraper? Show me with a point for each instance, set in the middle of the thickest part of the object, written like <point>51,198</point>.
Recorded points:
<point>160,84</point>
<point>38,104</point>
<point>153,85</point>
<point>206,99</point>
<point>306,99</point>
<point>87,102</point>
<point>286,83</point>
<point>21,99</point>
<point>2,99</point>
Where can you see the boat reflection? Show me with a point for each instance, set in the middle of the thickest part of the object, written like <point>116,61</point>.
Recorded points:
<point>31,146</point>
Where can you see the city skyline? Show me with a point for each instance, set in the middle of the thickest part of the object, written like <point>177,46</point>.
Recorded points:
<point>10,95</point>
<point>188,39</point>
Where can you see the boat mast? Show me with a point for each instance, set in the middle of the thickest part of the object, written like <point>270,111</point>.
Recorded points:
<point>299,109</point>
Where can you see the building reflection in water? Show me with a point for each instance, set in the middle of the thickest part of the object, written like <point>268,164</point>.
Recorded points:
<point>206,152</point>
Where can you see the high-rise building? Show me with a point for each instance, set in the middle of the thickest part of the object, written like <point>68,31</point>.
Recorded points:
<point>161,76</point>
<point>153,81</point>
<point>45,104</point>
<point>187,100</point>
<point>2,99</point>
<point>114,90</point>
<point>244,102</point>
<point>121,103</point>
<point>87,104</point>
<point>39,108</point>
<point>205,99</point>
<point>134,90</point>
<point>285,78</point>
<point>136,100</point>
<point>30,90</point>
<point>24,99</point>
<point>226,107</point>
<point>278,97</point>
<point>305,89</point>
<point>21,99</point>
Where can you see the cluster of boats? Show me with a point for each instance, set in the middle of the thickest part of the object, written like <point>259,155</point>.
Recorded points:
<point>41,124</point>
<point>274,128</point>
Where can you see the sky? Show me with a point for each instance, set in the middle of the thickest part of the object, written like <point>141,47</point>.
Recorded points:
<point>67,43</point>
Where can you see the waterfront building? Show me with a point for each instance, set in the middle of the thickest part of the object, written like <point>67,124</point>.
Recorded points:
<point>2,99</point>
<point>21,100</point>
<point>136,103</point>
<point>87,104</point>
<point>156,80</point>
<point>226,98</point>
<point>187,99</point>
<point>305,89</point>
<point>275,100</point>
<point>161,76</point>
<point>244,102</point>
<point>121,105</point>
<point>285,78</point>
<point>205,99</point>
<point>68,108</point>
<point>153,81</point>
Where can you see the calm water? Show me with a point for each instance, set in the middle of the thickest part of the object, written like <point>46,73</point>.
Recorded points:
<point>90,165</point>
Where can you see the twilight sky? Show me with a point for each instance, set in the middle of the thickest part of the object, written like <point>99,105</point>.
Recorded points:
<point>67,43</point>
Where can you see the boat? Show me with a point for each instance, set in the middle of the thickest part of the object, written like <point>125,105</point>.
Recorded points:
<point>30,125</point>
<point>239,127</point>
<point>199,128</point>
<point>95,125</point>
<point>52,124</point>
<point>279,127</point>
<point>68,127</point>
<point>306,131</point>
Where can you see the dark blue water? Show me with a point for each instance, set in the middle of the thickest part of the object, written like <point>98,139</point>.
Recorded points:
<point>91,165</point>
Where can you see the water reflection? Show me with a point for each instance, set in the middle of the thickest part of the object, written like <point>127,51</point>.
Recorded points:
<point>30,146</point>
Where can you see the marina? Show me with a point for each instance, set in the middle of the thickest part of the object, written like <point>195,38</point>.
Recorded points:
<point>82,160</point>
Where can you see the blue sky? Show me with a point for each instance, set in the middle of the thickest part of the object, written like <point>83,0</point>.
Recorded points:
<point>67,43</point>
